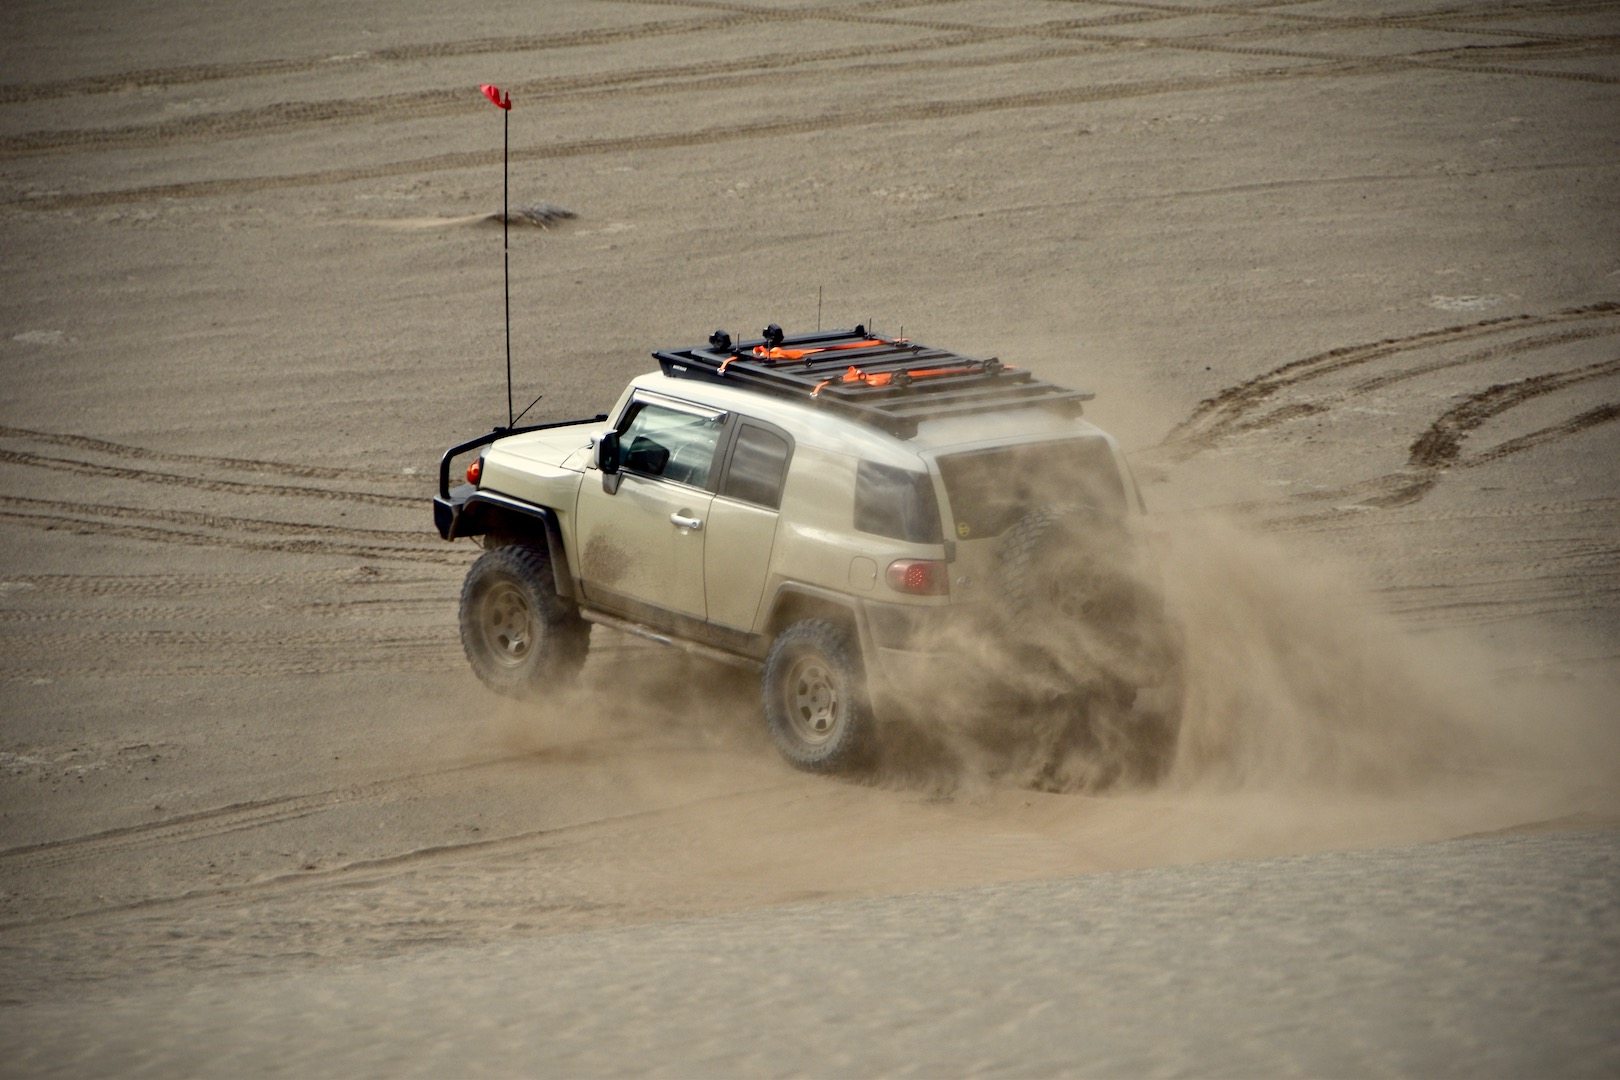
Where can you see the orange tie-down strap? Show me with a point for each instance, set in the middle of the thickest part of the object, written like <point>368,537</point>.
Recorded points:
<point>885,378</point>
<point>776,352</point>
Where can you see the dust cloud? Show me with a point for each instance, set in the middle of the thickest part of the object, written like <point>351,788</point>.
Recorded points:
<point>1297,711</point>
<point>1294,680</point>
<point>1291,714</point>
<point>1289,686</point>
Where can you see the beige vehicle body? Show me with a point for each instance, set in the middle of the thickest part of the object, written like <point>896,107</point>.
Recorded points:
<point>723,571</point>
<point>713,515</point>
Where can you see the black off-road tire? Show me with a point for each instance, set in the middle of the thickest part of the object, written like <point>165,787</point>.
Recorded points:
<point>1071,566</point>
<point>1060,568</point>
<point>815,697</point>
<point>1056,536</point>
<point>519,635</point>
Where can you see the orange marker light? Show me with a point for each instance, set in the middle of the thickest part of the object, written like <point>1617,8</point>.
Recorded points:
<point>474,471</point>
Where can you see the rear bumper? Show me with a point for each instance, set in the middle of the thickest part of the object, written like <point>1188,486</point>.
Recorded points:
<point>922,659</point>
<point>915,651</point>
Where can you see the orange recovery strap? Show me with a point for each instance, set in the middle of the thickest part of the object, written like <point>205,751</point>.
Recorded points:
<point>902,377</point>
<point>776,352</point>
<point>884,378</point>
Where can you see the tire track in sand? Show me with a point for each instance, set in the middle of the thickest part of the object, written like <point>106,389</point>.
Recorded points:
<point>1517,574</point>
<point>383,867</point>
<point>718,17</point>
<point>286,115</point>
<point>99,586</point>
<point>222,522</point>
<point>908,112</point>
<point>433,605</point>
<point>1438,450</point>
<point>1441,445</point>
<point>191,74</point>
<point>235,487</point>
<point>741,73</point>
<point>217,821</point>
<point>725,16</point>
<point>445,555</point>
<point>1231,411</point>
<point>252,465</point>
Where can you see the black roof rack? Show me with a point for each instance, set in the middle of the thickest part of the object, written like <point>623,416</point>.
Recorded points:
<point>890,383</point>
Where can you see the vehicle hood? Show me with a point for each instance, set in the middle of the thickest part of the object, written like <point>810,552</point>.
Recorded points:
<point>566,447</point>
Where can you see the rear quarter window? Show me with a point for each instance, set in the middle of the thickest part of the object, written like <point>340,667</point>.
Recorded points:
<point>897,503</point>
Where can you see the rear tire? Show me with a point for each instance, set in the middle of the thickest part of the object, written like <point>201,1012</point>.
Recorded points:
<point>520,637</point>
<point>815,697</point>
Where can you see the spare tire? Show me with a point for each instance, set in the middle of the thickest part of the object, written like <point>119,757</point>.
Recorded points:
<point>1087,619</point>
<point>1058,559</point>
<point>1073,587</point>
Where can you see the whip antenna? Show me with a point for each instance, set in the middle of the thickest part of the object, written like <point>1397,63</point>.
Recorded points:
<point>503,102</point>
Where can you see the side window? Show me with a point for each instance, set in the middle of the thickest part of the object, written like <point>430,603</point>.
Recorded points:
<point>670,443</point>
<point>896,503</point>
<point>758,467</point>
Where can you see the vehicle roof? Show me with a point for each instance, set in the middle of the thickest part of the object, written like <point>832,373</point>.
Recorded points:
<point>812,425</point>
<point>894,385</point>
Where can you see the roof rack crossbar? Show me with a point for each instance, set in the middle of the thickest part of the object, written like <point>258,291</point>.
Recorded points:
<point>940,380</point>
<point>999,401</point>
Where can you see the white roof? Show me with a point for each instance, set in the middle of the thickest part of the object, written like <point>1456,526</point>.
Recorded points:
<point>812,425</point>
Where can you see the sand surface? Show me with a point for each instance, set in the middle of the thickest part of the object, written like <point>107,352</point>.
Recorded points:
<point>1345,276</point>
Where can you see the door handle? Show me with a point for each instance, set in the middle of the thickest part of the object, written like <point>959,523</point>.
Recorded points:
<point>686,522</point>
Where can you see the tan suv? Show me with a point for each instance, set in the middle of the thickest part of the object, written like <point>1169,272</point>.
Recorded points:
<point>863,519</point>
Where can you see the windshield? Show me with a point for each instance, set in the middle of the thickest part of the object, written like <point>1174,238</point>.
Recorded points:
<point>990,490</point>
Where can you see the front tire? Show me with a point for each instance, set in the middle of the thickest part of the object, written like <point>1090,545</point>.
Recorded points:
<point>520,637</point>
<point>815,697</point>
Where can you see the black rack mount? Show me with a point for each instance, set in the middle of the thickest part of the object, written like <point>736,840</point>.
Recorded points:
<point>890,383</point>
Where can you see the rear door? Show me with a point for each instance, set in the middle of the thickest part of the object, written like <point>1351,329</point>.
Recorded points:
<point>743,518</point>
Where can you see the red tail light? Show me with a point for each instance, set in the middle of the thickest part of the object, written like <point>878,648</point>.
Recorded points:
<point>920,577</point>
<point>474,471</point>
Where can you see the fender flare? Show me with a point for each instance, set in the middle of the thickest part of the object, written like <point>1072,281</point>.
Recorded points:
<point>471,512</point>
<point>822,603</point>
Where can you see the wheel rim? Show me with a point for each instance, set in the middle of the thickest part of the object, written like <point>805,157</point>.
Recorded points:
<point>813,703</point>
<point>1075,596</point>
<point>507,624</point>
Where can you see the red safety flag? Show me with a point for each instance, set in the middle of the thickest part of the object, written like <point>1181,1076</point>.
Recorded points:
<point>495,97</point>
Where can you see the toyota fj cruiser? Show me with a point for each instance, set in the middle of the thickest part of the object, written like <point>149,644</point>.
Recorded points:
<point>863,519</point>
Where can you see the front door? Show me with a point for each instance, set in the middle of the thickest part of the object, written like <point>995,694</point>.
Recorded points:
<point>641,546</point>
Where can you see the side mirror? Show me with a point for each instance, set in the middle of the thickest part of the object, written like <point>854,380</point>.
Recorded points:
<point>607,452</point>
<point>607,459</point>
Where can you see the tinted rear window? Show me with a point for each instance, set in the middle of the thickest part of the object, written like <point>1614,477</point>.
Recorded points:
<point>989,490</point>
<point>897,503</point>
